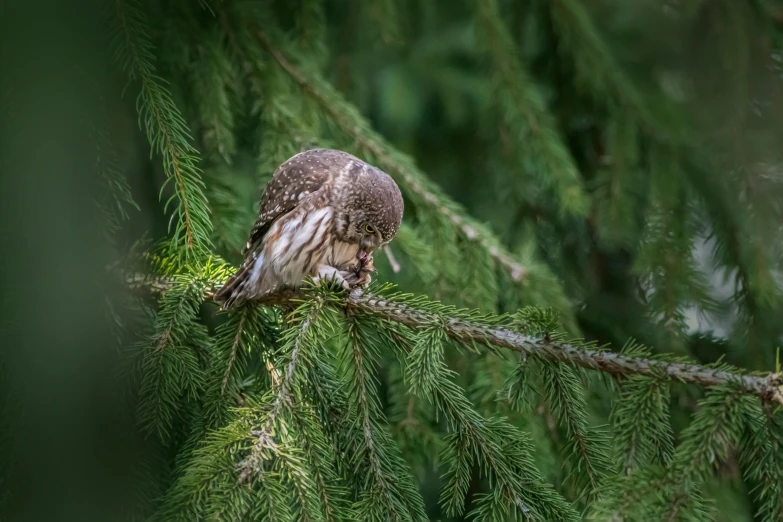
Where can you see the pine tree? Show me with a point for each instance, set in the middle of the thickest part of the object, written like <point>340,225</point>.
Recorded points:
<point>582,194</point>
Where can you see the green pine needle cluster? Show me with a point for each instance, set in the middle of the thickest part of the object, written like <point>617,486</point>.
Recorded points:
<point>166,130</point>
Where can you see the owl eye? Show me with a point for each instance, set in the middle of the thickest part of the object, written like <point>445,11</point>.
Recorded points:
<point>369,229</point>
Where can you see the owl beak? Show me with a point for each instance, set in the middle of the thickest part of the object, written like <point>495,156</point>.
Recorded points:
<point>365,246</point>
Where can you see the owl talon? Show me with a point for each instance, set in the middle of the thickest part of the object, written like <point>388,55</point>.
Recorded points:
<point>353,280</point>
<point>330,273</point>
<point>353,276</point>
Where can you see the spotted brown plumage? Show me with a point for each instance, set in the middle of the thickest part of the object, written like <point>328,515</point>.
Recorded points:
<point>322,214</point>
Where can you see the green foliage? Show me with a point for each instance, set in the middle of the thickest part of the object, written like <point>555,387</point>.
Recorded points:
<point>566,399</point>
<point>385,489</point>
<point>524,113</point>
<point>761,458</point>
<point>168,358</point>
<point>166,130</point>
<point>482,442</point>
<point>564,180</point>
<point>312,441</point>
<point>241,344</point>
<point>557,388</point>
<point>673,492</point>
<point>642,430</point>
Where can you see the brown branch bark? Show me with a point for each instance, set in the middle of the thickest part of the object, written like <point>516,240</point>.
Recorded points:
<point>768,387</point>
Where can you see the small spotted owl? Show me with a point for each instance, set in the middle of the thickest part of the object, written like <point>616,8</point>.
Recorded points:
<point>322,214</point>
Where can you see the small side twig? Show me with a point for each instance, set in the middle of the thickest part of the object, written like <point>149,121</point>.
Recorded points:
<point>264,438</point>
<point>395,266</point>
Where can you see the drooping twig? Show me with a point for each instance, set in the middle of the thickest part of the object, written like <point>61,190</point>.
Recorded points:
<point>263,436</point>
<point>768,387</point>
<point>392,261</point>
<point>164,125</point>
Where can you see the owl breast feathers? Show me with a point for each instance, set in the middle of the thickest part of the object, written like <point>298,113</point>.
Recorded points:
<point>322,214</point>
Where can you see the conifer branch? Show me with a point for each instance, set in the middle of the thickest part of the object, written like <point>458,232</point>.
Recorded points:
<point>235,342</point>
<point>525,113</point>
<point>768,387</point>
<point>566,399</point>
<point>311,25</point>
<point>472,330</point>
<point>282,400</point>
<point>707,442</point>
<point>363,399</point>
<point>641,424</point>
<point>593,61</point>
<point>324,478</point>
<point>475,439</point>
<point>116,192</point>
<point>164,125</point>
<point>233,354</point>
<point>395,163</point>
<point>762,459</point>
<point>215,90</point>
<point>383,494</point>
<point>167,357</point>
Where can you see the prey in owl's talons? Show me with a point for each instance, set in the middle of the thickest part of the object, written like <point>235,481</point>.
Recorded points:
<point>358,275</point>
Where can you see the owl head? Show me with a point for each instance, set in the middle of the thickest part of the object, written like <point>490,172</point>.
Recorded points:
<point>368,206</point>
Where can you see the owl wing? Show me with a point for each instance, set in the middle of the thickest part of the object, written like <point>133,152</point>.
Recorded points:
<point>295,179</point>
<point>301,181</point>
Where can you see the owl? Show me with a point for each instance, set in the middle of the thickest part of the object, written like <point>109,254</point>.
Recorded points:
<point>322,214</point>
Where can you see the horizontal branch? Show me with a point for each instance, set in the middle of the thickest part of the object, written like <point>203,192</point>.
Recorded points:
<point>768,387</point>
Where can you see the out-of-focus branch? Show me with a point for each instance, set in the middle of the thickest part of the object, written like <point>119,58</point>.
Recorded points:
<point>392,260</point>
<point>767,387</point>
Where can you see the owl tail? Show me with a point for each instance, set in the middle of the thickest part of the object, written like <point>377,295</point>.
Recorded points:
<point>242,285</point>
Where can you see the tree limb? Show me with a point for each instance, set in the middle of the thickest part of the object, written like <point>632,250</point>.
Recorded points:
<point>768,387</point>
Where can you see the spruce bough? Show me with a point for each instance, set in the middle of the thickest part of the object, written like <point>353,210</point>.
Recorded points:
<point>321,415</point>
<point>325,405</point>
